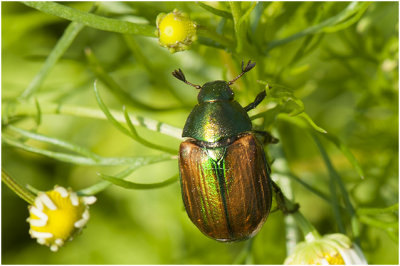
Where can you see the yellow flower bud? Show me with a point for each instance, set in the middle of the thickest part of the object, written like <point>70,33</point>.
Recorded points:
<point>175,31</point>
<point>57,215</point>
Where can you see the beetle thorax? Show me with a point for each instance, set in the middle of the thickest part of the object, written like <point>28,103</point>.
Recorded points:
<point>218,90</point>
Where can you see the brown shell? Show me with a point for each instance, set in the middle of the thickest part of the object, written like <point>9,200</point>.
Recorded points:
<point>228,200</point>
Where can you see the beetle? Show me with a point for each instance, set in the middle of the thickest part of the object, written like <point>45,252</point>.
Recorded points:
<point>224,175</point>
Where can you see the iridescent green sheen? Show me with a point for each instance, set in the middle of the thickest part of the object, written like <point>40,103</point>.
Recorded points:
<point>213,121</point>
<point>218,90</point>
<point>224,177</point>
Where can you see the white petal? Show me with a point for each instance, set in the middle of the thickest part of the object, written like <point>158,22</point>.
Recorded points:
<point>81,223</point>
<point>59,242</point>
<point>324,262</point>
<point>54,248</point>
<point>37,223</point>
<point>361,257</point>
<point>63,192</point>
<point>40,234</point>
<point>89,200</point>
<point>74,199</point>
<point>39,204</point>
<point>86,215</point>
<point>47,201</point>
<point>353,256</point>
<point>38,213</point>
<point>41,241</point>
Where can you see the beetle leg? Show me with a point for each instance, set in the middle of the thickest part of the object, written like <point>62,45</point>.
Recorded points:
<point>256,102</point>
<point>282,202</point>
<point>268,138</point>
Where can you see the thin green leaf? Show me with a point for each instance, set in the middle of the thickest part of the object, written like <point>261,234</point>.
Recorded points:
<point>215,11</point>
<point>131,185</point>
<point>346,152</point>
<point>212,38</point>
<point>29,109</point>
<point>349,22</point>
<point>136,137</point>
<point>245,256</point>
<point>158,80</point>
<point>108,114</point>
<point>102,161</point>
<point>305,185</point>
<point>335,178</point>
<point>113,86</point>
<point>131,132</point>
<point>55,141</point>
<point>348,12</point>
<point>378,223</point>
<point>62,45</point>
<point>103,184</point>
<point>94,21</point>
<point>237,14</point>
<point>375,211</point>
<point>312,123</point>
<point>39,113</point>
<point>247,13</point>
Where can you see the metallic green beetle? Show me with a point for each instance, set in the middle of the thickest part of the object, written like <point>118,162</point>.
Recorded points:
<point>224,176</point>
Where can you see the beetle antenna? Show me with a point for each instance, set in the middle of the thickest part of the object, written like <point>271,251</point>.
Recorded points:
<point>179,75</point>
<point>248,67</point>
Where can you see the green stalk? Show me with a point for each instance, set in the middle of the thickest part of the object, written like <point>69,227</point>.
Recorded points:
<point>309,232</point>
<point>62,45</point>
<point>391,209</point>
<point>94,21</point>
<point>30,109</point>
<point>237,13</point>
<point>22,192</point>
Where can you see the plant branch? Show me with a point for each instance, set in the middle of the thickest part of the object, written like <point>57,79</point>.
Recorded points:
<point>91,20</point>
<point>22,192</point>
<point>30,109</point>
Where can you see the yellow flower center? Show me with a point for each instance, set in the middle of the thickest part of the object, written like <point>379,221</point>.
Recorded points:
<point>334,259</point>
<point>57,215</point>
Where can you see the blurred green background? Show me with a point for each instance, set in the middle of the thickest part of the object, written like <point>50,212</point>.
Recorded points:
<point>345,73</point>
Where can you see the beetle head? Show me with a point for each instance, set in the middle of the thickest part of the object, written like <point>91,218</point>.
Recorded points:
<point>218,90</point>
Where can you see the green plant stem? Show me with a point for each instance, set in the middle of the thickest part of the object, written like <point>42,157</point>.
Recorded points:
<point>214,36</point>
<point>62,45</point>
<point>103,184</point>
<point>158,80</point>
<point>280,166</point>
<point>245,256</point>
<point>115,88</point>
<point>346,151</point>
<point>81,160</point>
<point>143,141</point>
<point>336,179</point>
<point>377,223</point>
<point>215,11</point>
<point>328,24</point>
<point>64,144</point>
<point>22,192</point>
<point>304,184</point>
<point>237,14</point>
<point>93,21</point>
<point>131,132</point>
<point>290,223</point>
<point>29,109</point>
<point>309,232</point>
<point>374,211</point>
